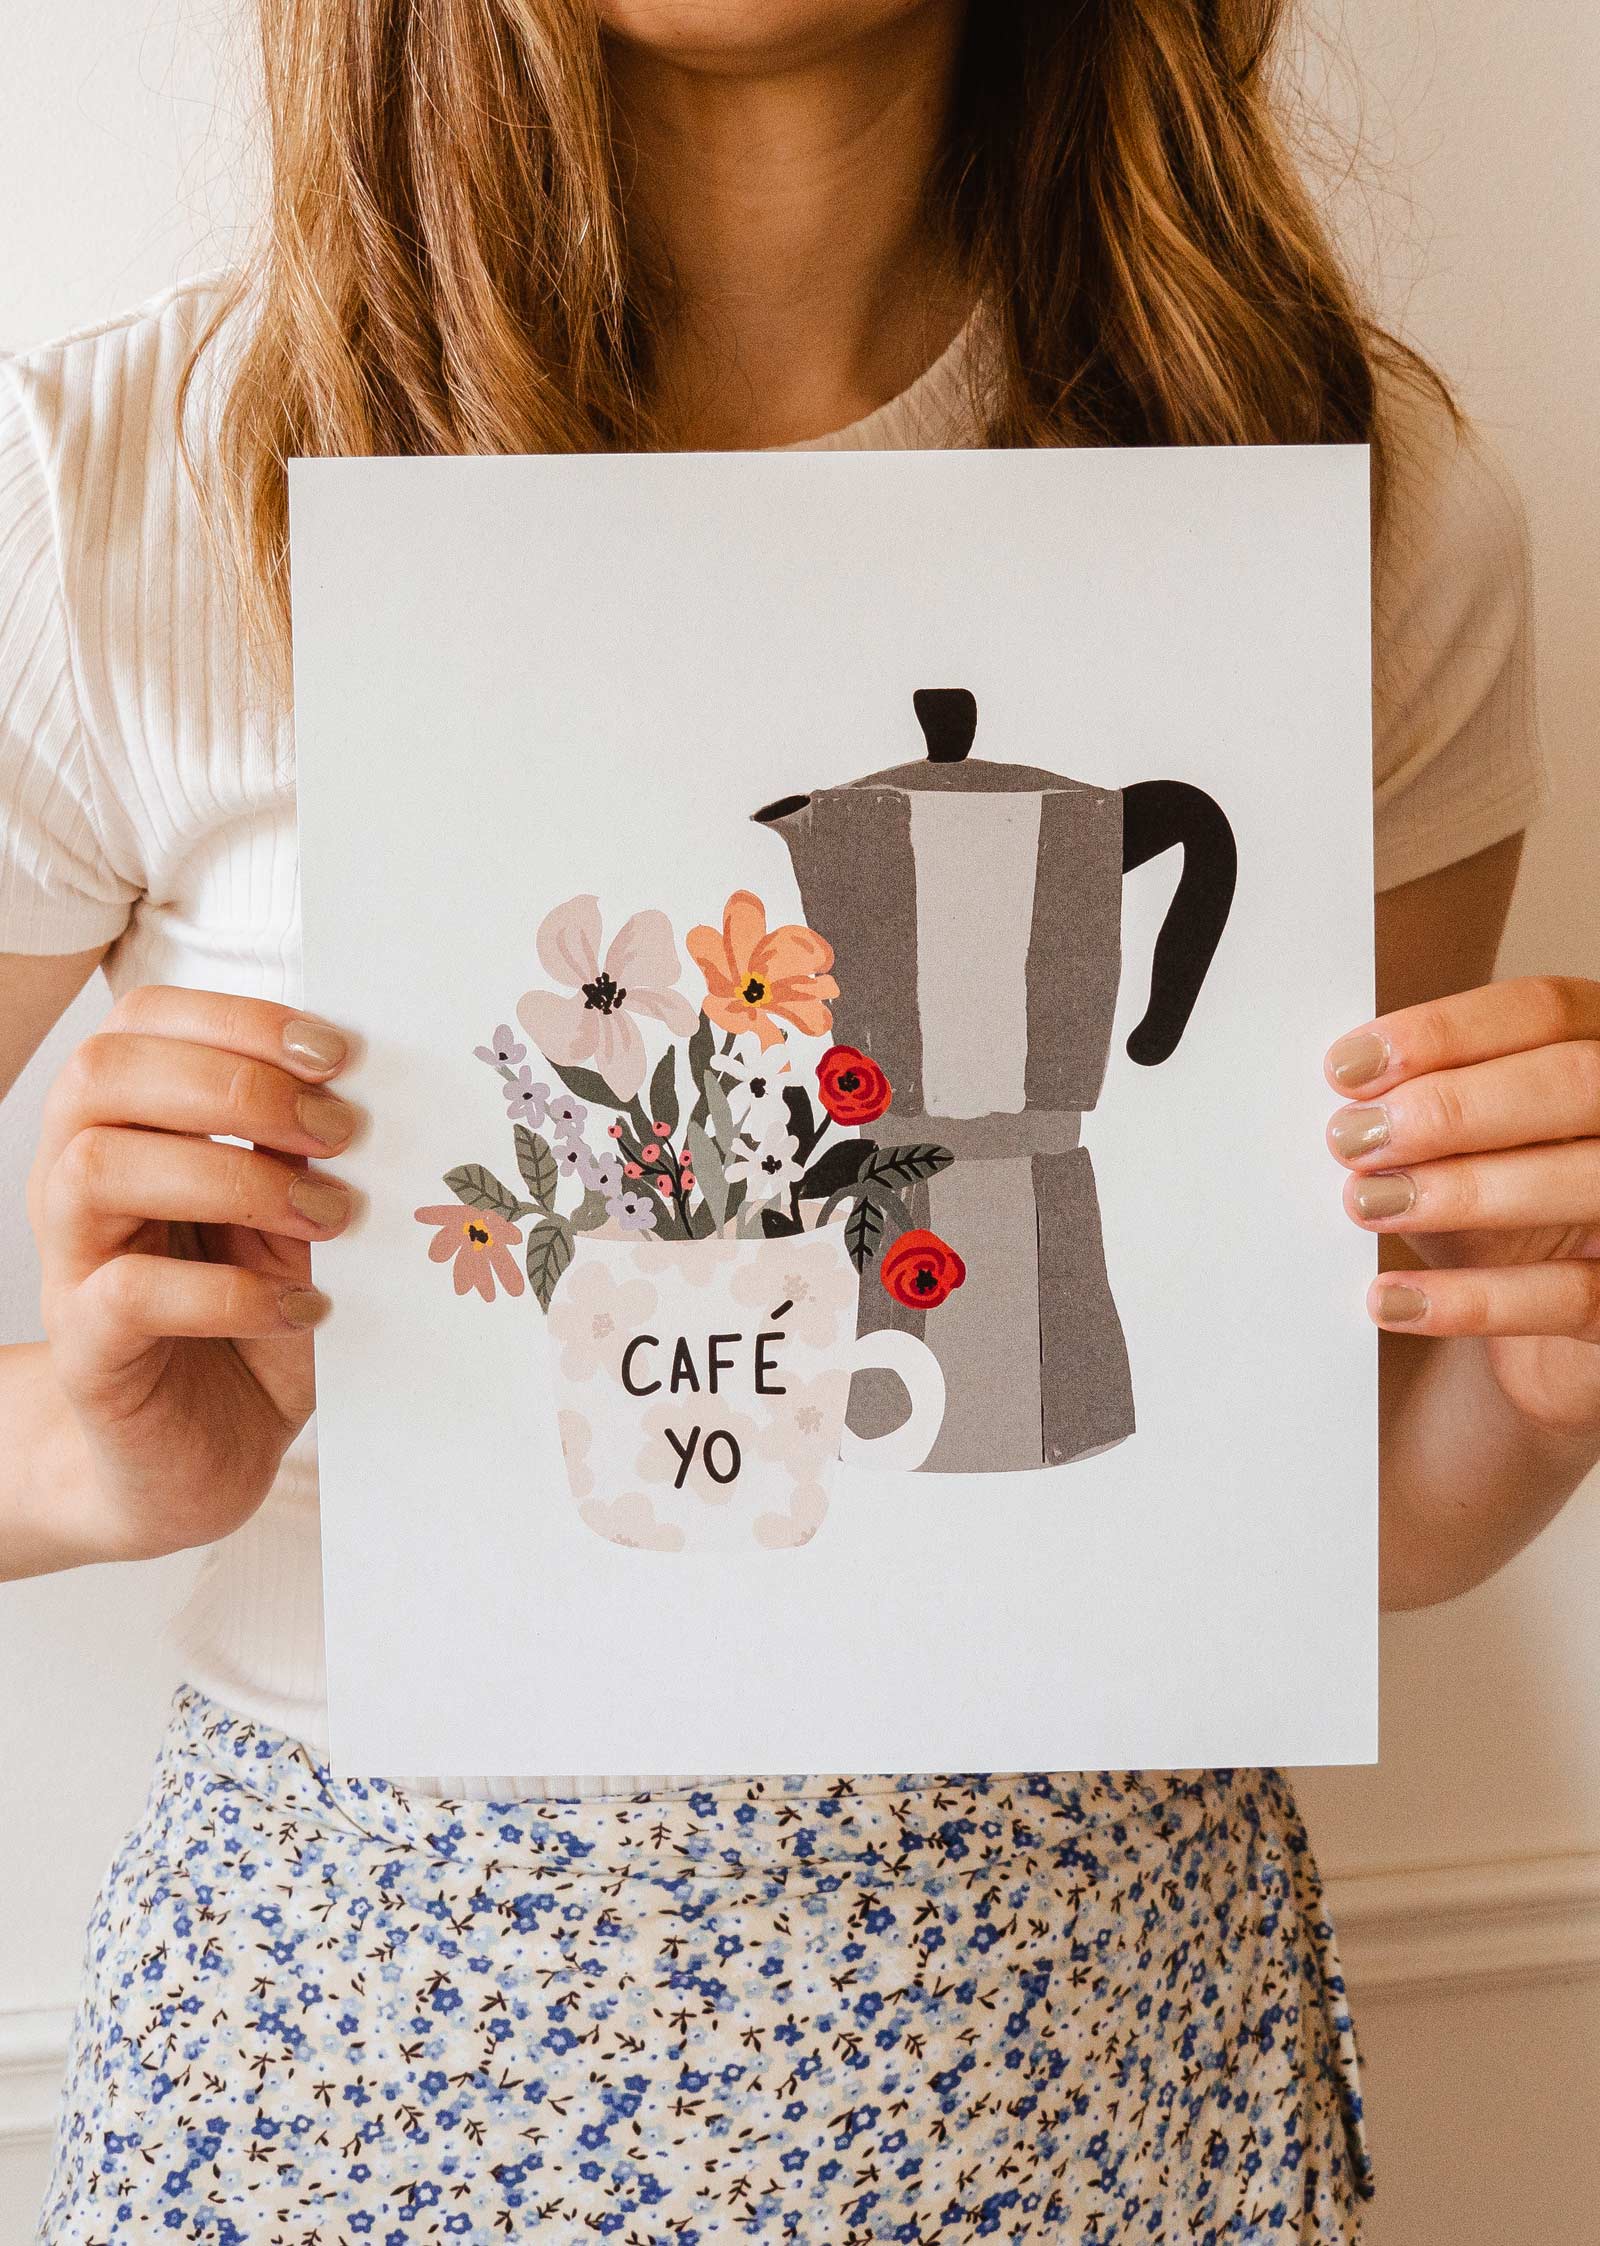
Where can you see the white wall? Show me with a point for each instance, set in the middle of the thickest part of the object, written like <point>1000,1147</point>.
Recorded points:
<point>1466,1869</point>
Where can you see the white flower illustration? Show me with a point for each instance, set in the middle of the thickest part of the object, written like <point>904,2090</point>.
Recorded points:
<point>769,1167</point>
<point>757,1081</point>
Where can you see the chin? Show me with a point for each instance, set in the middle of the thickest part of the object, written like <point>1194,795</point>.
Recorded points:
<point>741,34</point>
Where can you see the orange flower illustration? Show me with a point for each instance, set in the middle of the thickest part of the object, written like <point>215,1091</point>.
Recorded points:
<point>755,978</point>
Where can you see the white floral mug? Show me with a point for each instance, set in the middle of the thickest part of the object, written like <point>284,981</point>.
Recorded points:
<point>702,1385</point>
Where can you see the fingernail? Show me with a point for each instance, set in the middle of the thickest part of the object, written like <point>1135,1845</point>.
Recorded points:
<point>1401,1306</point>
<point>1358,1130</point>
<point>322,1201</point>
<point>316,1045</point>
<point>330,1121</point>
<point>1356,1060</point>
<point>1389,1194</point>
<point>303,1306</point>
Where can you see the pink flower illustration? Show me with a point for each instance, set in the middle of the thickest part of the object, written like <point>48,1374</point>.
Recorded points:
<point>593,1022</point>
<point>480,1244</point>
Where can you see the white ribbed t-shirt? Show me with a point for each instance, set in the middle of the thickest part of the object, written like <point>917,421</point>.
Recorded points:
<point>147,788</point>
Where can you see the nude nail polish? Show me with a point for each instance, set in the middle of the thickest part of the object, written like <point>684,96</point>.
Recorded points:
<point>315,1045</point>
<point>327,1119</point>
<point>1357,1131</point>
<point>1401,1306</point>
<point>1357,1060</point>
<point>321,1201</point>
<point>303,1306</point>
<point>1389,1194</point>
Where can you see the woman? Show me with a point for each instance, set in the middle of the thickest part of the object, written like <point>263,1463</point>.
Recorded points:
<point>842,2010</point>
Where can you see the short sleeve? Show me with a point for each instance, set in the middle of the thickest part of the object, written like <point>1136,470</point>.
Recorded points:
<point>1457,764</point>
<point>59,888</point>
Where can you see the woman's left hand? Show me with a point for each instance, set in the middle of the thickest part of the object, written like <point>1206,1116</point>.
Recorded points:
<point>1474,1135</point>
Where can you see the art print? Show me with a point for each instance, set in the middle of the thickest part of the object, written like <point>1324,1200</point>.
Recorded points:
<point>779,1250</point>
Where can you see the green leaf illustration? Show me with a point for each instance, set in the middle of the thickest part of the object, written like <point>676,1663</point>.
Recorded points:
<point>905,1165</point>
<point>889,1221</point>
<point>537,1164</point>
<point>863,1231</point>
<point>550,1246</point>
<point>591,1211</point>
<point>710,1174</point>
<point>836,1167</point>
<point>701,1047</point>
<point>585,1084</point>
<point>664,1090</point>
<point>481,1189</point>
<point>777,1224</point>
<point>802,1117</point>
<point>719,1115</point>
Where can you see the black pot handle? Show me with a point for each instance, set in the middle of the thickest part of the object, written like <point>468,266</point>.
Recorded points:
<point>1156,814</point>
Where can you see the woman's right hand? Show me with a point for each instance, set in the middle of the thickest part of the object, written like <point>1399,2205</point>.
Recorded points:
<point>177,1295</point>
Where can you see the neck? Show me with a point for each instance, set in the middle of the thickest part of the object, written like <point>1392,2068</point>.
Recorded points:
<point>782,208</point>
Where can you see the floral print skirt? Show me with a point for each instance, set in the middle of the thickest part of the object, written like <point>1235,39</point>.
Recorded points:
<point>835,2012</point>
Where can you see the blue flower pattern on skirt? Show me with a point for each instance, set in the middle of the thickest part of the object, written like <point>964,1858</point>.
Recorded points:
<point>836,2013</point>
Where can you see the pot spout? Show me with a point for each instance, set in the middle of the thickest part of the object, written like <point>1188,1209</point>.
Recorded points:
<point>778,813</point>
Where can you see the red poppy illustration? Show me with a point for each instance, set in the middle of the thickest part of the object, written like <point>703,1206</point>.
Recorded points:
<point>851,1087</point>
<point>480,1244</point>
<point>921,1270</point>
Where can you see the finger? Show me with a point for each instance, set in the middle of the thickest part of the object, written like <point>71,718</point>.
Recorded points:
<point>110,1181</point>
<point>1536,1185</point>
<point>1547,1095</point>
<point>134,1300</point>
<point>256,1027</point>
<point>1455,1032</point>
<point>1541,1298</point>
<point>161,1084</point>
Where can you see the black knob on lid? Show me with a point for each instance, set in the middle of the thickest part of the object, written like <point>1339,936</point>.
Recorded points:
<point>948,716</point>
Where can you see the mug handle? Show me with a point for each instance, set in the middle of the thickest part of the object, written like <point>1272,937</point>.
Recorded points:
<point>904,1448</point>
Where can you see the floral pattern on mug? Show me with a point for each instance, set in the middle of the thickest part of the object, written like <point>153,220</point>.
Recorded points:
<point>577,1439</point>
<point>672,1456</point>
<point>630,1519</point>
<point>818,1300</point>
<point>800,1427</point>
<point>594,1318</point>
<point>798,1523</point>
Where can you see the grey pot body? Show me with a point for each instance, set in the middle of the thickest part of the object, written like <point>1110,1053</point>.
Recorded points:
<point>975,911</point>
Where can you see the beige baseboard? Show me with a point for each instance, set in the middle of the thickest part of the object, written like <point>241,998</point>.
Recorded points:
<point>33,2052</point>
<point>1451,1925</point>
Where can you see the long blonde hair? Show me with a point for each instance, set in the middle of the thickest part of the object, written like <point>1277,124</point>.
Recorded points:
<point>445,267</point>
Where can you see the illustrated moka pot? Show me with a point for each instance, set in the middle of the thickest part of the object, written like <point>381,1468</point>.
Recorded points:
<point>975,912</point>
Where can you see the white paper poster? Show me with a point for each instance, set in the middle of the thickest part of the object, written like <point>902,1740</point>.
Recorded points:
<point>850,1278</point>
